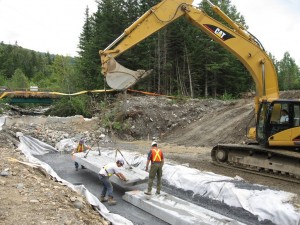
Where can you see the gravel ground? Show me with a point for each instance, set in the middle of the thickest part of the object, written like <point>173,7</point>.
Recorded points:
<point>29,196</point>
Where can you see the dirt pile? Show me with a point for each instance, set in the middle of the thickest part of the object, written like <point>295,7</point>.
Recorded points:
<point>188,122</point>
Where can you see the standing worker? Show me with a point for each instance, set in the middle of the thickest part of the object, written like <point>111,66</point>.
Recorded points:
<point>156,157</point>
<point>105,173</point>
<point>81,147</point>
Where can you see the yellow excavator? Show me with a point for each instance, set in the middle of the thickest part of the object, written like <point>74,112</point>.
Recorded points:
<point>277,131</point>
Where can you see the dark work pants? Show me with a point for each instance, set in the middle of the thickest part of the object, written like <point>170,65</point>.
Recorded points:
<point>107,186</point>
<point>155,170</point>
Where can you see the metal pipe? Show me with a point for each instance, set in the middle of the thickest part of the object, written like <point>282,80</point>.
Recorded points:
<point>115,41</point>
<point>263,78</point>
<point>211,4</point>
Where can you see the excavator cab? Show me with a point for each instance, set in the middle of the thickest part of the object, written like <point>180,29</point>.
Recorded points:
<point>278,123</point>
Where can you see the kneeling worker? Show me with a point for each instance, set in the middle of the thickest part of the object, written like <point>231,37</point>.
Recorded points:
<point>105,173</point>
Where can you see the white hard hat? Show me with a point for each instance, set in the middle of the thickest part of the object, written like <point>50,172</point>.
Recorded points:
<point>154,143</point>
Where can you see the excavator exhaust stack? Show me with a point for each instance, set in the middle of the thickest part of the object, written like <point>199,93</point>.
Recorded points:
<point>119,78</point>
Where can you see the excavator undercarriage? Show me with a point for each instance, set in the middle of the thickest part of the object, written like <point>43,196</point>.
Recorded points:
<point>277,163</point>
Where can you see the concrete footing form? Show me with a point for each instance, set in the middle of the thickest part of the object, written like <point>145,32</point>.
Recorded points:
<point>176,211</point>
<point>168,208</point>
<point>94,162</point>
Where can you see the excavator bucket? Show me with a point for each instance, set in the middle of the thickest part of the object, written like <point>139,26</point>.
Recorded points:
<point>119,78</point>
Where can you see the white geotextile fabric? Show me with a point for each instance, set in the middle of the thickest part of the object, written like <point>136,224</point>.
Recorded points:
<point>266,204</point>
<point>2,121</point>
<point>263,202</point>
<point>31,146</point>
<point>35,146</point>
<point>66,145</point>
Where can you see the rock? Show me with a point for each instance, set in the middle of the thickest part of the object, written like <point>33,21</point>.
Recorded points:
<point>73,199</point>
<point>78,204</point>
<point>4,174</point>
<point>34,201</point>
<point>20,186</point>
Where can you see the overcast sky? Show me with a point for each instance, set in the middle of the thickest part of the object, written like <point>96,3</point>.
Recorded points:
<point>276,23</point>
<point>55,25</point>
<point>44,25</point>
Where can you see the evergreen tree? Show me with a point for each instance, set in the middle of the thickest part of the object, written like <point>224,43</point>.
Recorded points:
<point>88,64</point>
<point>62,73</point>
<point>18,81</point>
<point>289,73</point>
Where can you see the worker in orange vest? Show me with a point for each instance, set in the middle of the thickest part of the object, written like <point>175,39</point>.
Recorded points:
<point>156,157</point>
<point>81,147</point>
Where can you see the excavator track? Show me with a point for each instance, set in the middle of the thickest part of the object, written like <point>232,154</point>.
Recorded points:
<point>276,163</point>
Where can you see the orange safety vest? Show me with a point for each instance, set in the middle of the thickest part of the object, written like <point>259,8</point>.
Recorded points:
<point>80,148</point>
<point>156,155</point>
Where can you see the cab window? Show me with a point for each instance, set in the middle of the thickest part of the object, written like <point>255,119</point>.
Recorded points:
<point>296,115</point>
<point>280,114</point>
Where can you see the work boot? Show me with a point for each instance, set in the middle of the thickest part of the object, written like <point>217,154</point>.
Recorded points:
<point>103,199</point>
<point>111,201</point>
<point>76,169</point>
<point>147,193</point>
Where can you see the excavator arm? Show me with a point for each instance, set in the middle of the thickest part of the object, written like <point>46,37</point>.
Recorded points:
<point>234,38</point>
